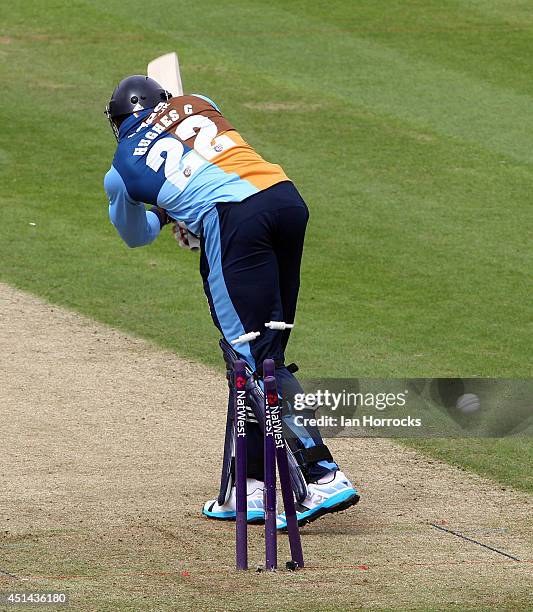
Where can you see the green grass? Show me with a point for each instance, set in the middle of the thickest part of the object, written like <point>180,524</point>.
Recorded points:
<point>406,125</point>
<point>508,461</point>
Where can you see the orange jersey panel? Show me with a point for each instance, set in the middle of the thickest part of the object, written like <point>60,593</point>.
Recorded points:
<point>244,161</point>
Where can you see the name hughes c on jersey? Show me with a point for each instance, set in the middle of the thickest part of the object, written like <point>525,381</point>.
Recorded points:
<point>185,157</point>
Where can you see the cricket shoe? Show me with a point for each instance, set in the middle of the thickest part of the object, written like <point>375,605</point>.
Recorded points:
<point>332,493</point>
<point>227,512</point>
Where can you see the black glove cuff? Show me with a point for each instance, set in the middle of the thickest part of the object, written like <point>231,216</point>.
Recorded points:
<point>161,215</point>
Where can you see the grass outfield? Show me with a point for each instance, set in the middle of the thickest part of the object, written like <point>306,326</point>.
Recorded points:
<point>407,131</point>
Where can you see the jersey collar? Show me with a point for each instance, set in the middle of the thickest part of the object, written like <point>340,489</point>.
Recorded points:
<point>130,124</point>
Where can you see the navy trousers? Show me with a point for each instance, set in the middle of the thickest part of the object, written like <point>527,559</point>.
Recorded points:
<point>250,266</point>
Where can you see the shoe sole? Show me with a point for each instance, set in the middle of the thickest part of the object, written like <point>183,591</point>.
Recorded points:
<point>343,505</point>
<point>252,520</point>
<point>339,507</point>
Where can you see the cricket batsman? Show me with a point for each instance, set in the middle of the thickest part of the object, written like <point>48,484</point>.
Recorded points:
<point>185,160</point>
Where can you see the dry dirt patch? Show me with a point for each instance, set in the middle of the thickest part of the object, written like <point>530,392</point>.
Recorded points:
<point>110,445</point>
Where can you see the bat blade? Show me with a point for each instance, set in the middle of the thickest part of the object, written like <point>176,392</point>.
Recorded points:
<point>165,69</point>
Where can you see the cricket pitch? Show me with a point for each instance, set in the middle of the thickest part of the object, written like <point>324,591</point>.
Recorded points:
<point>111,445</point>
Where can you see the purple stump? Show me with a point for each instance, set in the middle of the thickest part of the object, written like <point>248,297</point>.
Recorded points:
<point>241,524</point>
<point>283,466</point>
<point>271,543</point>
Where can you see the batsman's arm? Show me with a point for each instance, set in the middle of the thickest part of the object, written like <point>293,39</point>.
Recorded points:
<point>135,225</point>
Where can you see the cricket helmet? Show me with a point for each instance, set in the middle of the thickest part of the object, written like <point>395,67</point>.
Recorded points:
<point>132,94</point>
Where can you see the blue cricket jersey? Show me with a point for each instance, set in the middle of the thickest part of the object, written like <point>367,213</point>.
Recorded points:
<point>185,157</point>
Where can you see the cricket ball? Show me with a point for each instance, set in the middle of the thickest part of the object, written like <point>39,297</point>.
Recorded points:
<point>468,403</point>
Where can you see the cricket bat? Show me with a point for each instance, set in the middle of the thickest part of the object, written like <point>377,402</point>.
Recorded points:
<point>165,69</point>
